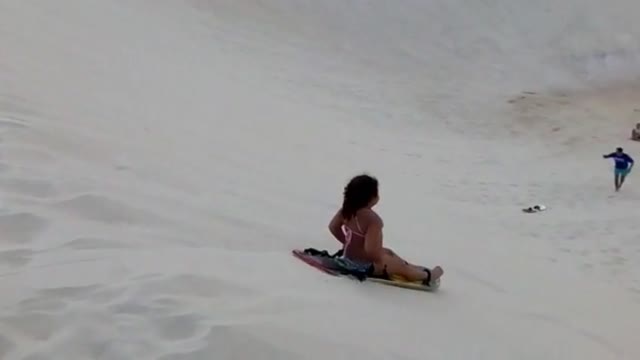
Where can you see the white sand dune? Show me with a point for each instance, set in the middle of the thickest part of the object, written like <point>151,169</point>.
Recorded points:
<point>160,159</point>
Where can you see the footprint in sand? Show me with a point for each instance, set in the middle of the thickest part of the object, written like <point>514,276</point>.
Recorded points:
<point>479,280</point>
<point>68,292</point>
<point>147,307</point>
<point>39,304</point>
<point>21,228</point>
<point>29,187</point>
<point>618,260</point>
<point>9,124</point>
<point>110,294</point>
<point>179,327</point>
<point>6,346</point>
<point>106,210</point>
<point>587,335</point>
<point>16,258</point>
<point>33,326</point>
<point>16,106</point>
<point>193,285</point>
<point>91,243</point>
<point>228,340</point>
<point>587,266</point>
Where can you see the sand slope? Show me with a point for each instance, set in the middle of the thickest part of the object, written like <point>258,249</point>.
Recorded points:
<point>159,160</point>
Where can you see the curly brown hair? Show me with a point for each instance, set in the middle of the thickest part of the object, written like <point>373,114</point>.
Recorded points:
<point>358,193</point>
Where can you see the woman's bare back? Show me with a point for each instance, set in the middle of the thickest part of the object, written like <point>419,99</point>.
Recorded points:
<point>357,231</point>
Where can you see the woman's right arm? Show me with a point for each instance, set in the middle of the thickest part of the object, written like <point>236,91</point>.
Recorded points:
<point>335,227</point>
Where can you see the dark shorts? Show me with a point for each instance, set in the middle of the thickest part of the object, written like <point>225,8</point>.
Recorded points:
<point>354,265</point>
<point>622,172</point>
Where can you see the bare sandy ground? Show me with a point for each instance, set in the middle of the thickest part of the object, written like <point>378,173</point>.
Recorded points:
<point>159,160</point>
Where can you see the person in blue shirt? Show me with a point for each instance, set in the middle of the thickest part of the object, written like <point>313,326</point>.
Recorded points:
<point>623,165</point>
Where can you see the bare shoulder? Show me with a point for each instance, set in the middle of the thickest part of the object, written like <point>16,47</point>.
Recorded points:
<point>371,217</point>
<point>337,218</point>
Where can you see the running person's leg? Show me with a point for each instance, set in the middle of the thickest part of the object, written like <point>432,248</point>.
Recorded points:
<point>623,175</point>
<point>617,175</point>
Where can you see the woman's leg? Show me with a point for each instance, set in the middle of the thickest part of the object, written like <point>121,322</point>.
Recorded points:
<point>392,253</point>
<point>395,265</point>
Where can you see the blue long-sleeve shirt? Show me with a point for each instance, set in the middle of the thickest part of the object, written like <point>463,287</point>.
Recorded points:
<point>622,160</point>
